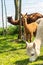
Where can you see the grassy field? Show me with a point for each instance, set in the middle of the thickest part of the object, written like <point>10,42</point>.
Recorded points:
<point>14,53</point>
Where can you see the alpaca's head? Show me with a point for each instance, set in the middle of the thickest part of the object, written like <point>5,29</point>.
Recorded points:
<point>9,18</point>
<point>24,17</point>
<point>32,51</point>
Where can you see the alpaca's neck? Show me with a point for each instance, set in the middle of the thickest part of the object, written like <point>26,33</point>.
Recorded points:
<point>25,22</point>
<point>38,43</point>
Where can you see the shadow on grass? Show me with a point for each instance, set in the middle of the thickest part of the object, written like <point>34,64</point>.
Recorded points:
<point>26,61</point>
<point>40,58</point>
<point>7,46</point>
<point>8,49</point>
<point>8,43</point>
<point>17,40</point>
<point>22,62</point>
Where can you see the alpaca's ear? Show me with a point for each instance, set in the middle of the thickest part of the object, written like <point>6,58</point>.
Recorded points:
<point>26,14</point>
<point>27,44</point>
<point>34,45</point>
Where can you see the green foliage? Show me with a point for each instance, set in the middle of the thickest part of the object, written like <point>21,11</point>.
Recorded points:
<point>12,30</point>
<point>1,31</point>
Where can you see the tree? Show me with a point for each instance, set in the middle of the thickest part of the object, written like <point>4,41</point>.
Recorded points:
<point>2,16</point>
<point>16,9</point>
<point>20,23</point>
<point>18,15</point>
<point>5,15</point>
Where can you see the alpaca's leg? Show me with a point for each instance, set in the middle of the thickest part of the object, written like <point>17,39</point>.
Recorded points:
<point>35,33</point>
<point>26,37</point>
<point>31,34</point>
<point>30,37</point>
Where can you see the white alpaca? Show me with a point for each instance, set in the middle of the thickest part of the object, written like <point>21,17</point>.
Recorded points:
<point>33,48</point>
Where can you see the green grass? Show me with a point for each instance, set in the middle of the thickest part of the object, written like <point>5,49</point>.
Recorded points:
<point>14,53</point>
